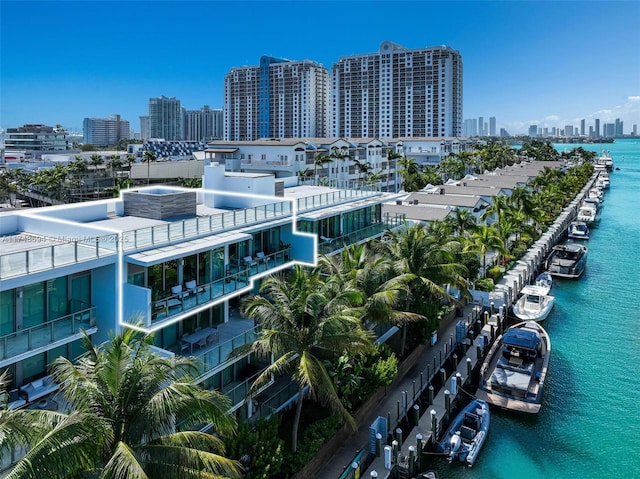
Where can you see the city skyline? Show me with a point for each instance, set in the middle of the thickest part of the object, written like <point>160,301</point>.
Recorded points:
<point>524,63</point>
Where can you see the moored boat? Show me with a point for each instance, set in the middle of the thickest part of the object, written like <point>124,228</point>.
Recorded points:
<point>466,434</point>
<point>513,373</point>
<point>568,260</point>
<point>534,304</point>
<point>544,281</point>
<point>578,230</point>
<point>588,213</point>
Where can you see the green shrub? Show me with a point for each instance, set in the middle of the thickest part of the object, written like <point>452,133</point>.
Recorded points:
<point>485,284</point>
<point>313,438</point>
<point>259,448</point>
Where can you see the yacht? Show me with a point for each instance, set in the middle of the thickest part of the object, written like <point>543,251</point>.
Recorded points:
<point>578,230</point>
<point>568,260</point>
<point>513,374</point>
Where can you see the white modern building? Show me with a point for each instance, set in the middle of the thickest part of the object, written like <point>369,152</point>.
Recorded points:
<point>105,131</point>
<point>398,92</point>
<point>173,261</point>
<point>278,99</point>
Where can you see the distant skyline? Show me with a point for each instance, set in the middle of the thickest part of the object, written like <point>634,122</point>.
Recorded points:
<point>525,62</point>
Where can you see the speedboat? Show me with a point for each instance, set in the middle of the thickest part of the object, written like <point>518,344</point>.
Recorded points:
<point>588,213</point>
<point>578,230</point>
<point>534,304</point>
<point>544,281</point>
<point>466,434</point>
<point>568,260</point>
<point>513,373</point>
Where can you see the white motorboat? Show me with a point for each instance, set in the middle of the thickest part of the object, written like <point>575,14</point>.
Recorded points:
<point>513,373</point>
<point>578,230</point>
<point>605,160</point>
<point>534,304</point>
<point>588,213</point>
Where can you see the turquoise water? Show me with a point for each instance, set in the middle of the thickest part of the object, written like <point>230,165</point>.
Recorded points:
<point>589,425</point>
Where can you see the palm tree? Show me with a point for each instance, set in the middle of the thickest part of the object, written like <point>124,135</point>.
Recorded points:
<point>319,161</point>
<point>140,409</point>
<point>149,156</point>
<point>426,264</point>
<point>359,267</point>
<point>338,154</point>
<point>499,207</point>
<point>482,240</point>
<point>463,222</point>
<point>305,320</point>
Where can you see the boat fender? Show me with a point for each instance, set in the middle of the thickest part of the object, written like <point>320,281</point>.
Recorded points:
<point>454,444</point>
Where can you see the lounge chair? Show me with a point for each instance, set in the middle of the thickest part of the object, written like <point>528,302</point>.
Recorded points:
<point>178,292</point>
<point>249,261</point>
<point>325,239</point>
<point>192,287</point>
<point>260,256</point>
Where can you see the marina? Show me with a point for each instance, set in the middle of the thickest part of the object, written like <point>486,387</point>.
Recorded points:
<point>592,316</point>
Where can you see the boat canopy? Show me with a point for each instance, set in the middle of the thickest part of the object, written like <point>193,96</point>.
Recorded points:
<point>521,338</point>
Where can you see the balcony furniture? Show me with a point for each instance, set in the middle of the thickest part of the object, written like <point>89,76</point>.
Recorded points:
<point>326,239</point>
<point>197,337</point>
<point>249,261</point>
<point>38,388</point>
<point>260,256</point>
<point>178,291</point>
<point>192,287</point>
<point>213,338</point>
<point>184,346</point>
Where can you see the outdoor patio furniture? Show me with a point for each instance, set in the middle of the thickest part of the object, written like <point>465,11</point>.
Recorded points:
<point>249,261</point>
<point>260,256</point>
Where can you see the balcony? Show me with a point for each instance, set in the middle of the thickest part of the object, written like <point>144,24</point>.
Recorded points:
<point>31,260</point>
<point>333,198</point>
<point>213,356</point>
<point>333,245</point>
<point>64,329</point>
<point>238,278</point>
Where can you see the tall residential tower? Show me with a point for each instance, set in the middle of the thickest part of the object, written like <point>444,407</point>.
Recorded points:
<point>165,118</point>
<point>397,92</point>
<point>278,99</point>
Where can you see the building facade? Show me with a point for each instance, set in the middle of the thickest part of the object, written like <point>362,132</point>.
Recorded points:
<point>36,137</point>
<point>165,118</point>
<point>203,125</point>
<point>279,98</point>
<point>397,92</point>
<point>105,131</point>
<point>173,261</point>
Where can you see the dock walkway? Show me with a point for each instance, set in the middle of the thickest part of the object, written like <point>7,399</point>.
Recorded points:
<point>399,401</point>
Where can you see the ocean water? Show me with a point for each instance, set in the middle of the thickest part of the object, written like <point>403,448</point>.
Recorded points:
<point>589,425</point>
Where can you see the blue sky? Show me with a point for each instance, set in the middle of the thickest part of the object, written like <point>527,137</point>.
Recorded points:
<point>525,62</point>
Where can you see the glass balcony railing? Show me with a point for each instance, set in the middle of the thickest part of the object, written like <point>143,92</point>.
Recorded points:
<point>47,257</point>
<point>156,235</point>
<point>334,197</point>
<point>220,353</point>
<point>43,334</point>
<point>186,300</point>
<point>330,245</point>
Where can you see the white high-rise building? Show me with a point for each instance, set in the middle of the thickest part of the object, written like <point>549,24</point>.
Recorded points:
<point>397,92</point>
<point>278,99</point>
<point>203,125</point>
<point>105,131</point>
